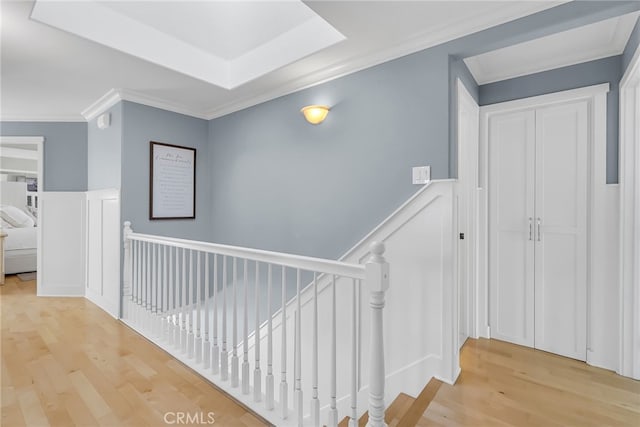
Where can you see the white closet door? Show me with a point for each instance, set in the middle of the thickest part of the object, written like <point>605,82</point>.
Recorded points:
<point>511,212</point>
<point>561,229</point>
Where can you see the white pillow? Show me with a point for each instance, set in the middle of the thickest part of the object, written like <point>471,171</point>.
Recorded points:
<point>30,214</point>
<point>5,224</point>
<point>15,217</point>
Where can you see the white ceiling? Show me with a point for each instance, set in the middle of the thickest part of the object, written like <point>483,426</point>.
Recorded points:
<point>223,43</point>
<point>50,74</point>
<point>586,43</point>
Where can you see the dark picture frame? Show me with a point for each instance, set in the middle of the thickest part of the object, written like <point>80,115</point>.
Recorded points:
<point>172,181</point>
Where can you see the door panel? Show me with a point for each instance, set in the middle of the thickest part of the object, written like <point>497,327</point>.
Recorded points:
<point>511,197</point>
<point>561,221</point>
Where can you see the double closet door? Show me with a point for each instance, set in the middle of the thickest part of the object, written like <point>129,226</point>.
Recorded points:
<point>538,161</point>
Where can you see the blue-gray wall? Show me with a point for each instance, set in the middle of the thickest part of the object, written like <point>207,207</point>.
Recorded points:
<point>631,47</point>
<point>607,70</point>
<point>279,183</point>
<point>140,125</point>
<point>104,152</point>
<point>65,151</point>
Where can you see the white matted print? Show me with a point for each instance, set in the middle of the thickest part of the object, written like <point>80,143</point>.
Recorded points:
<point>172,181</point>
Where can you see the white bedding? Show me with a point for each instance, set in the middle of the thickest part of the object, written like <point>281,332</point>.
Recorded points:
<point>20,238</point>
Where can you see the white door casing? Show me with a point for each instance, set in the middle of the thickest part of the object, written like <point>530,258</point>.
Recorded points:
<point>38,141</point>
<point>468,127</point>
<point>600,227</point>
<point>629,168</point>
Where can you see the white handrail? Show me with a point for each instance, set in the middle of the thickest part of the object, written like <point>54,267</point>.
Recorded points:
<point>338,268</point>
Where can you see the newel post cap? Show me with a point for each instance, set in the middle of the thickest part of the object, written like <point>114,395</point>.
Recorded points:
<point>377,269</point>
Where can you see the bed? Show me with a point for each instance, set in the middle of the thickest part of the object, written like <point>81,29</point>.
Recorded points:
<point>21,242</point>
<point>20,250</point>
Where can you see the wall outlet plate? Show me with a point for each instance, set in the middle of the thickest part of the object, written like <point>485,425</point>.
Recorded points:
<point>421,174</point>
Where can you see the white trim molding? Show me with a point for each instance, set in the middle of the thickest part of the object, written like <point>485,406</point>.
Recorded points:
<point>113,96</point>
<point>42,118</point>
<point>629,169</point>
<point>38,141</point>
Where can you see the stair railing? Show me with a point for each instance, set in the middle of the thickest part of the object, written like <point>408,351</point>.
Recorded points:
<point>182,294</point>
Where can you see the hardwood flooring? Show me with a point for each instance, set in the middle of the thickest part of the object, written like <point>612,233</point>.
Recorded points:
<point>503,384</point>
<point>66,362</point>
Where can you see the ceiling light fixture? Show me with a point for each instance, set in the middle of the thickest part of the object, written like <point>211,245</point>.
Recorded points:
<point>315,114</point>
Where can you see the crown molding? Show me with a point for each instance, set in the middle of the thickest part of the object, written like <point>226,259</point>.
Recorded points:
<point>139,98</point>
<point>106,101</point>
<point>43,118</point>
<point>113,96</point>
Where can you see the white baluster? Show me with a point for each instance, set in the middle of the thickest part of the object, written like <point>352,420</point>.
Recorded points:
<point>164,322</point>
<point>315,403</point>
<point>206,357</point>
<point>190,306</point>
<point>224,357</point>
<point>268,383</point>
<point>377,280</point>
<point>333,411</point>
<point>154,288</point>
<point>215,353</point>
<point>298,353</point>
<point>171,299</point>
<point>354,390</point>
<point>140,296</point>
<point>147,285</point>
<point>127,294</point>
<point>245,338</point>
<point>284,400</point>
<point>176,301</point>
<point>136,282</point>
<point>257,374</point>
<point>198,308</point>
<point>183,303</point>
<point>134,287</point>
<point>234,330</point>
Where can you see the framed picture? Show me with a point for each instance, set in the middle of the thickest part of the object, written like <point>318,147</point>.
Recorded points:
<point>172,181</point>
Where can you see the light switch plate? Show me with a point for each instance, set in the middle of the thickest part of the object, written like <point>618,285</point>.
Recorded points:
<point>421,174</point>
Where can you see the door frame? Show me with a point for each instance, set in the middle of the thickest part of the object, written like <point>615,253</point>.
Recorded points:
<point>467,191</point>
<point>38,141</point>
<point>596,95</point>
<point>629,168</point>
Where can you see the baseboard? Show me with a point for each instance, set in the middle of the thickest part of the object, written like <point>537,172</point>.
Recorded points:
<point>47,290</point>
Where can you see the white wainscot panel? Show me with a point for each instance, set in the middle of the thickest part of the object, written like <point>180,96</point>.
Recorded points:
<point>103,250</point>
<point>62,221</point>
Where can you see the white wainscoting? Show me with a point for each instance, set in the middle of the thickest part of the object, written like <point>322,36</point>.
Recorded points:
<point>62,247</point>
<point>420,316</point>
<point>103,249</point>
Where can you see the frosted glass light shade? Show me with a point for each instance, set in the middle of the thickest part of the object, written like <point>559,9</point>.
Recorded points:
<point>315,114</point>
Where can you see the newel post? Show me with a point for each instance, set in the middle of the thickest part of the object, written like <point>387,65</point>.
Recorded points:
<point>127,265</point>
<point>377,280</point>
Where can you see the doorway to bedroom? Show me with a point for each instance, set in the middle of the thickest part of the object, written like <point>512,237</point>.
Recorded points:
<point>21,181</point>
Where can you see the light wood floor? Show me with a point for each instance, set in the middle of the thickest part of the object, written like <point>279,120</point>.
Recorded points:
<point>502,384</point>
<point>65,362</point>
